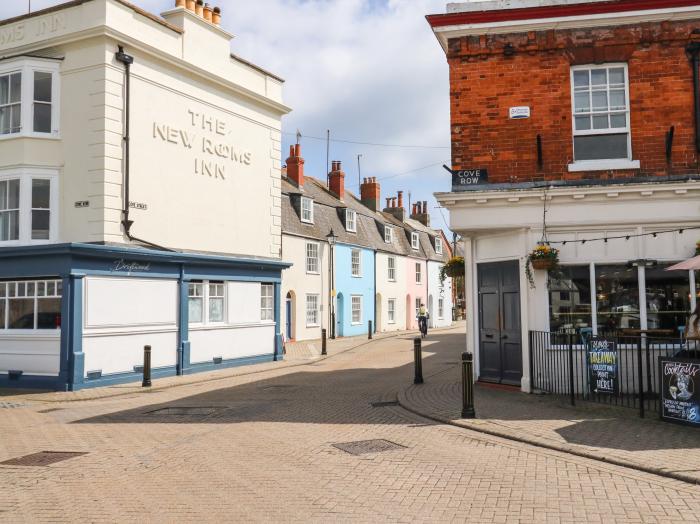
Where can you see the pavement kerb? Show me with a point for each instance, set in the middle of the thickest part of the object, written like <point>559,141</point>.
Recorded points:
<point>283,364</point>
<point>403,402</point>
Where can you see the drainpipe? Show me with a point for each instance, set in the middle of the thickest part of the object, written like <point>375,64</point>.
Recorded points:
<point>376,330</point>
<point>693,49</point>
<point>127,60</point>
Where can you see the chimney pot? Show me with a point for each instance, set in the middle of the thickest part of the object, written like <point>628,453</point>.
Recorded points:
<point>207,12</point>
<point>190,5</point>
<point>388,202</point>
<point>216,16</point>
<point>180,3</point>
<point>199,8</point>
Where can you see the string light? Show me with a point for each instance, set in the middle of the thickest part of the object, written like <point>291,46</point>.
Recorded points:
<point>626,237</point>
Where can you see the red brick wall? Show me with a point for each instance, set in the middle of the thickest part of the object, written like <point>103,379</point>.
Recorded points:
<point>484,84</point>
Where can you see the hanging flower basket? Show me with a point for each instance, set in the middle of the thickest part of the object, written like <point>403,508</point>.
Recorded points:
<point>454,268</point>
<point>542,257</point>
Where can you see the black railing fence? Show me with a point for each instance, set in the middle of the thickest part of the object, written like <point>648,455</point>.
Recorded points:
<point>560,365</point>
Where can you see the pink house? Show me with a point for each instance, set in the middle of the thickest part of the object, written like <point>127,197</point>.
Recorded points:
<point>416,289</point>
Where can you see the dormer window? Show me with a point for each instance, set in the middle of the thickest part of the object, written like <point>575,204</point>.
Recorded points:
<point>28,98</point>
<point>351,220</point>
<point>414,240</point>
<point>307,210</point>
<point>438,246</point>
<point>388,234</point>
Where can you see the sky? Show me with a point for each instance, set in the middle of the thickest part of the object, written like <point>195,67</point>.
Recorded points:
<point>370,71</point>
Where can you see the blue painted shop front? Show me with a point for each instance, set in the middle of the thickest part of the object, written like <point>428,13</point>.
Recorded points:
<point>72,263</point>
<point>355,294</point>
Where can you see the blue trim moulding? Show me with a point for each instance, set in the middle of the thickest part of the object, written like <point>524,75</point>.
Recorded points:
<point>72,262</point>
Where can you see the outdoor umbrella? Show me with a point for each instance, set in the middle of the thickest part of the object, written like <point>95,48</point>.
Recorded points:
<point>691,263</point>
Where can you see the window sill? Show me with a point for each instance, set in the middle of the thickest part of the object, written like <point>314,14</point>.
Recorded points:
<point>313,273</point>
<point>355,323</point>
<point>41,136</point>
<point>313,325</point>
<point>603,165</point>
<point>356,276</point>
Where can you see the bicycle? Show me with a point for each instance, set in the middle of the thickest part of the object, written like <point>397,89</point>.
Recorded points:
<point>423,326</point>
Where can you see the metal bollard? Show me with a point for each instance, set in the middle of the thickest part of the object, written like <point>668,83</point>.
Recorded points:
<point>467,386</point>
<point>369,330</point>
<point>146,367</point>
<point>418,379</point>
<point>323,342</point>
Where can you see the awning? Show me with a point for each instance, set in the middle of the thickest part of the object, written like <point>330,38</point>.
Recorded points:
<point>686,265</point>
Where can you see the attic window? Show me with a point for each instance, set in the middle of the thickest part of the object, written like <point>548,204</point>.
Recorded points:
<point>351,220</point>
<point>388,234</point>
<point>307,210</point>
<point>414,240</point>
<point>438,246</point>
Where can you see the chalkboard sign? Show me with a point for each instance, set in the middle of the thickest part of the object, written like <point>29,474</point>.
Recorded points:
<point>602,366</point>
<point>468,177</point>
<point>680,390</point>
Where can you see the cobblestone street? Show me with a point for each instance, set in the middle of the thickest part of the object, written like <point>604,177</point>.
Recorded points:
<point>268,447</point>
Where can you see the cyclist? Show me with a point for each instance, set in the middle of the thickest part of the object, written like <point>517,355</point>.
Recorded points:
<point>423,320</point>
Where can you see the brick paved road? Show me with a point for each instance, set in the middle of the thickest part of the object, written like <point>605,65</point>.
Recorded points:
<point>260,448</point>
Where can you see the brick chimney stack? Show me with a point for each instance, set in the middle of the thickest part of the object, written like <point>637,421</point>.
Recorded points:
<point>396,208</point>
<point>420,213</point>
<point>336,179</point>
<point>370,194</point>
<point>295,166</point>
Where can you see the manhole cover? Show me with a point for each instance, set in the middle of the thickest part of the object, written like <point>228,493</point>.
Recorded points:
<point>185,411</point>
<point>362,447</point>
<point>43,458</point>
<point>11,405</point>
<point>385,404</point>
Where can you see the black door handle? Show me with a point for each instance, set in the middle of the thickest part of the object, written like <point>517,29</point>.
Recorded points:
<point>504,336</point>
<point>488,335</point>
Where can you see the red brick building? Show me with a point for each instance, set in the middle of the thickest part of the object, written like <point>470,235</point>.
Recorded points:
<point>581,119</point>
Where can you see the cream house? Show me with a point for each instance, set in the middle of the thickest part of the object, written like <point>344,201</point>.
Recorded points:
<point>139,196</point>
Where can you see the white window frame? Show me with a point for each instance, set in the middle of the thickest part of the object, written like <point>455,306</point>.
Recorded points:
<point>441,308</point>
<point>358,265</point>
<point>317,258</point>
<point>391,311</point>
<point>25,177</point>
<point>27,67</point>
<point>602,164</point>
<point>314,322</point>
<point>388,234</point>
<point>356,299</point>
<point>419,273</point>
<point>310,210</point>
<point>267,302</point>
<point>419,300</point>
<point>192,294</point>
<point>415,240</point>
<point>4,297</point>
<point>205,296</point>
<point>351,220</point>
<point>438,246</point>
<point>224,308</point>
<point>391,271</point>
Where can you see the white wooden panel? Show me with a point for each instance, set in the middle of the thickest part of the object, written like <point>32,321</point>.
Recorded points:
<point>498,246</point>
<point>243,302</point>
<point>205,344</point>
<point>38,355</point>
<point>128,302</point>
<point>120,353</point>
<point>670,246</point>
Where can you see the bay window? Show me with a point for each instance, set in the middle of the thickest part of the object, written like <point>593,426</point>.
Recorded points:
<point>28,203</point>
<point>29,89</point>
<point>30,304</point>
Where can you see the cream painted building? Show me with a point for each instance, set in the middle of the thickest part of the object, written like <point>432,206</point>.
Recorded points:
<point>139,197</point>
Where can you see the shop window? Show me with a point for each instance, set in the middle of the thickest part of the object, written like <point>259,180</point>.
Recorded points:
<point>617,297</point>
<point>311,310</point>
<point>195,301</point>
<point>419,273</point>
<point>28,91</point>
<point>356,263</point>
<point>216,301</point>
<point>570,299</point>
<point>668,299</point>
<point>356,301</point>
<point>267,302</point>
<point>415,240</point>
<point>600,102</point>
<point>351,220</point>
<point>312,257</point>
<point>391,265</point>
<point>307,210</point>
<point>391,311</point>
<point>30,304</point>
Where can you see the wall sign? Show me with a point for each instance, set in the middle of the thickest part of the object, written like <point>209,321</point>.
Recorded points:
<point>463,178</point>
<point>519,112</point>
<point>602,366</point>
<point>138,205</point>
<point>680,390</point>
<point>82,203</point>
<point>124,266</point>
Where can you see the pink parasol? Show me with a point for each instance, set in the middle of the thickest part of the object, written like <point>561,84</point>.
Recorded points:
<point>686,265</point>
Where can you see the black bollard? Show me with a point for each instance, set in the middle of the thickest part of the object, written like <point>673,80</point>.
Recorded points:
<point>323,342</point>
<point>467,386</point>
<point>418,361</point>
<point>146,367</point>
<point>369,330</point>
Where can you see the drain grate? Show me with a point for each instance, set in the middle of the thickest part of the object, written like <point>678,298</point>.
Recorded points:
<point>11,405</point>
<point>185,411</point>
<point>362,447</point>
<point>385,404</point>
<point>43,458</point>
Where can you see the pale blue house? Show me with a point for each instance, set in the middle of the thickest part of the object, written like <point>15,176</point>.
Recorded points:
<point>354,281</point>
